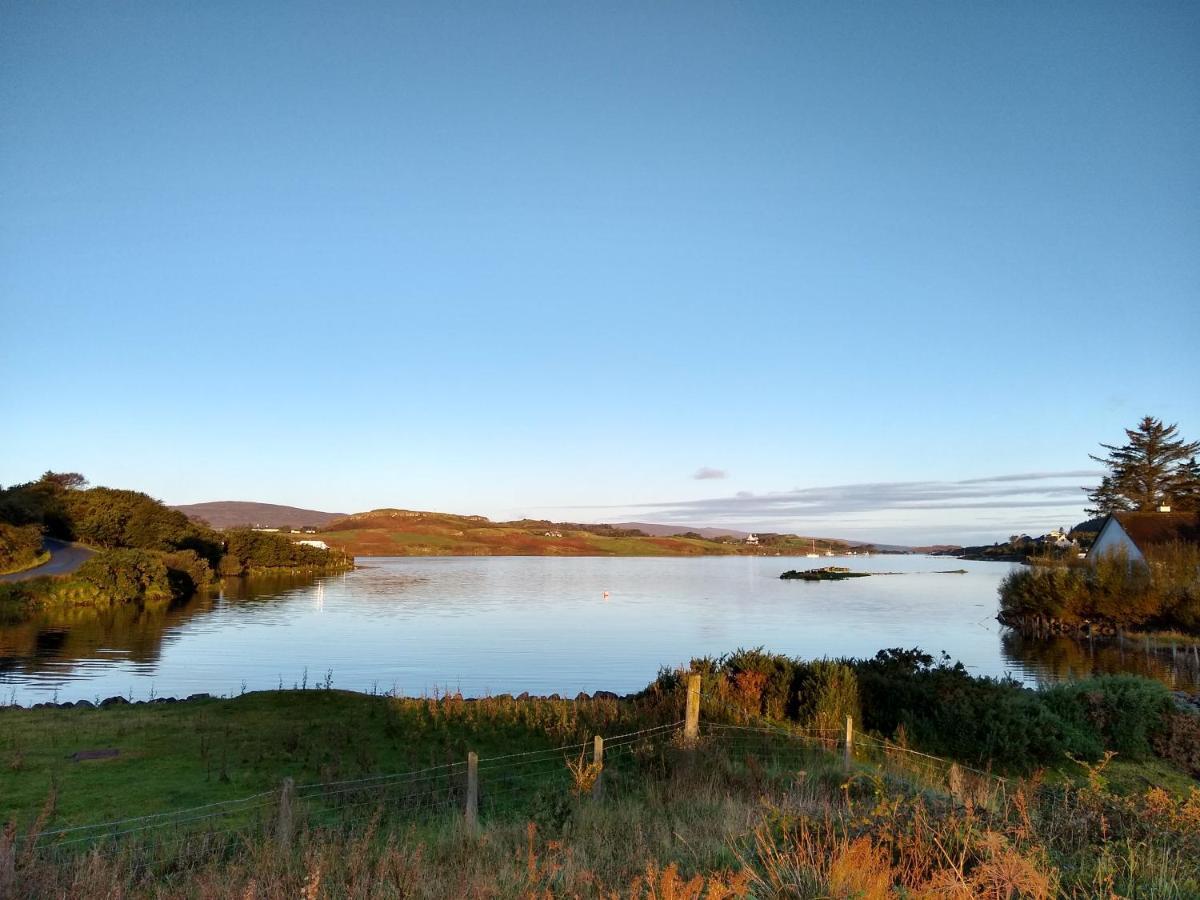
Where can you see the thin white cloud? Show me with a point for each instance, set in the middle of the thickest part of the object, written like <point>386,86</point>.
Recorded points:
<point>704,473</point>
<point>898,510</point>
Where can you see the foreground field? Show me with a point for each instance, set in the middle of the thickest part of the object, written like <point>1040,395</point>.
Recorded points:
<point>322,793</point>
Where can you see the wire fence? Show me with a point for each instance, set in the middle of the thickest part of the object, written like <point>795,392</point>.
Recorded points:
<point>174,839</point>
<point>492,787</point>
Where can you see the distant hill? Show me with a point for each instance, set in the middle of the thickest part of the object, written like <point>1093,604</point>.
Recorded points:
<point>407,532</point>
<point>233,513</point>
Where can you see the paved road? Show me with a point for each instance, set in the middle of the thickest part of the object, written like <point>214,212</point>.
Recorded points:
<point>64,559</point>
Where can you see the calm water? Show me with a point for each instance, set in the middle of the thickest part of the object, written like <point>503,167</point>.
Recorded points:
<point>509,624</point>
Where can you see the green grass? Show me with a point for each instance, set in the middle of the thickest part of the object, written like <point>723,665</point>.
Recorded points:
<point>185,754</point>
<point>41,559</point>
<point>771,814</point>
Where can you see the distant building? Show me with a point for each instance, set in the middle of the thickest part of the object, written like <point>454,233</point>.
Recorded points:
<point>1059,539</point>
<point>549,534</point>
<point>752,540</point>
<point>1133,533</point>
<point>320,545</point>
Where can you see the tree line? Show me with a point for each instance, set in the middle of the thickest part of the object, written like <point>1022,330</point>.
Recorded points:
<point>148,549</point>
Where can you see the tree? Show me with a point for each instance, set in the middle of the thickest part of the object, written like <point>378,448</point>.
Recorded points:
<point>66,481</point>
<point>1155,468</point>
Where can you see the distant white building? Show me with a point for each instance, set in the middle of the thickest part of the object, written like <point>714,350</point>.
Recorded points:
<point>320,545</point>
<point>752,540</point>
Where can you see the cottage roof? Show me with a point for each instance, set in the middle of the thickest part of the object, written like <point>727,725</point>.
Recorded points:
<point>1148,528</point>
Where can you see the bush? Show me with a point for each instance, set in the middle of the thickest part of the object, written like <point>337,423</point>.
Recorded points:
<point>127,575</point>
<point>19,545</point>
<point>1178,741</point>
<point>940,707</point>
<point>247,550</point>
<point>947,711</point>
<point>1124,711</point>
<point>188,572</point>
<point>1163,593</point>
<point>826,693</point>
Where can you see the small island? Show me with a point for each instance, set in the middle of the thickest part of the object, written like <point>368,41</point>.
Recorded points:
<point>827,573</point>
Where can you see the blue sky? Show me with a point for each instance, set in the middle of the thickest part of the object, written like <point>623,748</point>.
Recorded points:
<point>555,259</point>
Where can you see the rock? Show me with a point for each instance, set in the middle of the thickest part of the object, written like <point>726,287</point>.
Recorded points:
<point>524,695</point>
<point>605,695</point>
<point>582,695</point>
<point>199,697</point>
<point>554,697</point>
<point>84,704</point>
<point>114,701</point>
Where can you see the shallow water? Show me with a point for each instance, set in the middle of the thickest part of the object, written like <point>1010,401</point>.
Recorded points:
<point>484,625</point>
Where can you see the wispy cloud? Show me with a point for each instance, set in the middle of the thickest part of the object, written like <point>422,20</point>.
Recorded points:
<point>897,510</point>
<point>704,473</point>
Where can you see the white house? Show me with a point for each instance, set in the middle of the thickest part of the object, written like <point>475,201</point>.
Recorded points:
<point>1134,533</point>
<point>752,540</point>
<point>320,545</point>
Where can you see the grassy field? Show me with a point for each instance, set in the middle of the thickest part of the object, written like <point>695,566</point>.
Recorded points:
<point>748,811</point>
<point>185,754</point>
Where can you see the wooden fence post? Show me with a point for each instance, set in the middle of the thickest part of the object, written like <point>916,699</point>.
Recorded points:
<point>283,824</point>
<point>691,724</point>
<point>598,762</point>
<point>472,805</point>
<point>8,860</point>
<point>849,750</point>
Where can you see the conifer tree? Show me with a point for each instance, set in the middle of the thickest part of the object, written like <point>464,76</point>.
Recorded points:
<point>1156,467</point>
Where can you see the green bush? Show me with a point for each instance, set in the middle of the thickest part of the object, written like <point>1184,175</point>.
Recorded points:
<point>19,545</point>
<point>1124,711</point>
<point>939,706</point>
<point>127,575</point>
<point>826,693</point>
<point>187,571</point>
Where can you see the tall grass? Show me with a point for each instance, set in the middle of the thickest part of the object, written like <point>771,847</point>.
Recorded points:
<point>738,816</point>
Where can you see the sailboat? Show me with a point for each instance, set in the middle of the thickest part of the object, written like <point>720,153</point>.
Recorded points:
<point>814,554</point>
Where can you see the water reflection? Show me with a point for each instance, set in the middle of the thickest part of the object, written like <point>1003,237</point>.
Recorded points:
<point>1062,659</point>
<point>491,625</point>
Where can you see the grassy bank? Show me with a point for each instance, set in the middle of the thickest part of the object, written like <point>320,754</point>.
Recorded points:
<point>31,563</point>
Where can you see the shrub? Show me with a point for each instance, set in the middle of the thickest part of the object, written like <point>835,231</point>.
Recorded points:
<point>826,693</point>
<point>127,575</point>
<point>1178,741</point>
<point>1125,711</point>
<point>187,571</point>
<point>1163,593</point>
<point>19,545</point>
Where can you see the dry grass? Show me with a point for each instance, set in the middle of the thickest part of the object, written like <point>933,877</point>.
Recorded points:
<point>737,817</point>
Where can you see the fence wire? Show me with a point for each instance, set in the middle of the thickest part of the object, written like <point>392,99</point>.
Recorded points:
<point>174,840</point>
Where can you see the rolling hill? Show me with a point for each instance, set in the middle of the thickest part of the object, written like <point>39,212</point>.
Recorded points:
<point>405,532</point>
<point>234,513</point>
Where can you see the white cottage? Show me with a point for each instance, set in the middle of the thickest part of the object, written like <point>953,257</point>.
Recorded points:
<point>1133,533</point>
